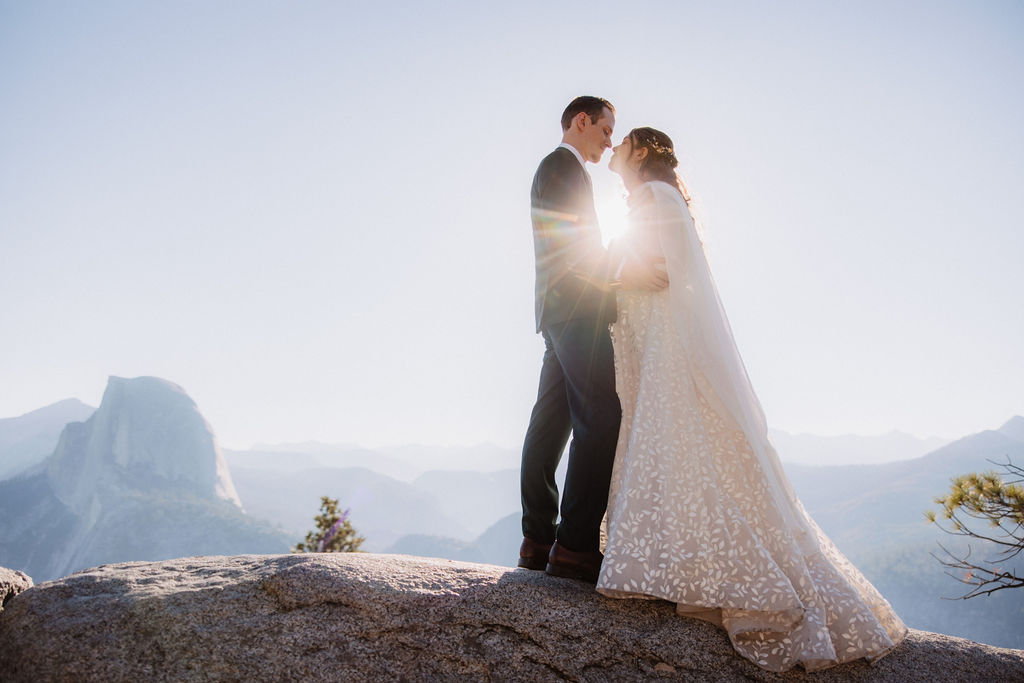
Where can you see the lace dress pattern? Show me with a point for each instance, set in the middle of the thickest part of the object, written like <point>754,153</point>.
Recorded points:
<point>691,518</point>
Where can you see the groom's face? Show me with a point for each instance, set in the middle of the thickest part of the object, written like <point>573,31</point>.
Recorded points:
<point>597,136</point>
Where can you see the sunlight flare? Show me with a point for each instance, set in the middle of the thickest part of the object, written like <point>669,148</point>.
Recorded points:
<point>611,212</point>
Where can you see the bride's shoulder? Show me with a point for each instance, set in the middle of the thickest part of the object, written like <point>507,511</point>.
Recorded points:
<point>661,189</point>
<point>661,194</point>
<point>655,195</point>
<point>654,188</point>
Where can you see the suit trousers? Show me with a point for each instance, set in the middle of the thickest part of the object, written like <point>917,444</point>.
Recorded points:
<point>577,395</point>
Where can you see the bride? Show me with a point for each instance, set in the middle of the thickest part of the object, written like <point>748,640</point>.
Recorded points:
<point>700,511</point>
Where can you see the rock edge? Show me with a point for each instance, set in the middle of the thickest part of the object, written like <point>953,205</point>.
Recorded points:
<point>365,617</point>
<point>12,582</point>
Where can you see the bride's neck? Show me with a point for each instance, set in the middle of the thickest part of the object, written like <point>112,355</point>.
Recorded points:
<point>632,181</point>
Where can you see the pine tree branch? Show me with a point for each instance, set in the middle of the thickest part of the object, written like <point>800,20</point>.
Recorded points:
<point>977,575</point>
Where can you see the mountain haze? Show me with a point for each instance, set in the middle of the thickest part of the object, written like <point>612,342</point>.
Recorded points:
<point>404,463</point>
<point>867,505</point>
<point>141,479</point>
<point>382,508</point>
<point>313,455</point>
<point>1013,428</point>
<point>851,449</point>
<point>28,439</point>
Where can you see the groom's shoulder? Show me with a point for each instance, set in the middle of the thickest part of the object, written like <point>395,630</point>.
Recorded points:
<point>559,156</point>
<point>560,161</point>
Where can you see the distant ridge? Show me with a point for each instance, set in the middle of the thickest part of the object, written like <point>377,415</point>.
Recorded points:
<point>1013,428</point>
<point>404,463</point>
<point>852,449</point>
<point>69,407</point>
<point>27,439</point>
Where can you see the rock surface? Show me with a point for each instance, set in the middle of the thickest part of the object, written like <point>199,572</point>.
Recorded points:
<point>389,617</point>
<point>12,582</point>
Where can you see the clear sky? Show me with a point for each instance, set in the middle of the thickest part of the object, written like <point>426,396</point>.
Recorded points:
<point>314,216</point>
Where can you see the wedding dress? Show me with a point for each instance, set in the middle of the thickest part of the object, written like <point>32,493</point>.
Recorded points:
<point>700,511</point>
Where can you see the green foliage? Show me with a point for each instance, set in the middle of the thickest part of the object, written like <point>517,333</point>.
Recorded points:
<point>994,504</point>
<point>334,533</point>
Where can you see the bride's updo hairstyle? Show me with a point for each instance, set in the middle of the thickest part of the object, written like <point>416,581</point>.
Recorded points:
<point>660,162</point>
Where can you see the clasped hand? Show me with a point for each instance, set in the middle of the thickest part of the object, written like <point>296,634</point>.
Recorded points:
<point>648,274</point>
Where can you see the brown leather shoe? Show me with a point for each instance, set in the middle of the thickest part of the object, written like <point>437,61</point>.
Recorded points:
<point>570,564</point>
<point>533,555</point>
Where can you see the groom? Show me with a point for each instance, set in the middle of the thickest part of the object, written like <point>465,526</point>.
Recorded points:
<point>574,306</point>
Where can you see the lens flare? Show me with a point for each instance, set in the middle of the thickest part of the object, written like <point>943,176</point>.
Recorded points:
<point>612,216</point>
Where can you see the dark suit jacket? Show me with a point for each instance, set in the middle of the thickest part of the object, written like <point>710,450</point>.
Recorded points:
<point>572,263</point>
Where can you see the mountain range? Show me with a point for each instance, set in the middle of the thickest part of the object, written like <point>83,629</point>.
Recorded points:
<point>27,439</point>
<point>141,479</point>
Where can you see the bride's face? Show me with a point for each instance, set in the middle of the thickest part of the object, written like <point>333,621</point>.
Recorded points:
<point>620,153</point>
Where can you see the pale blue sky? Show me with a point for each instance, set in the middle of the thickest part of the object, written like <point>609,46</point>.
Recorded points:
<point>314,216</point>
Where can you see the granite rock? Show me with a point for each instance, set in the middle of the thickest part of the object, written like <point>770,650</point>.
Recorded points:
<point>12,582</point>
<point>363,617</point>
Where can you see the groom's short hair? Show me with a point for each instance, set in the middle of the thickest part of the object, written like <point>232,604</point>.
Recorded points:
<point>593,107</point>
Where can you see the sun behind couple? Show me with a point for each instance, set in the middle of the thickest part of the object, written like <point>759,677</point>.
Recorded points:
<point>668,436</point>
